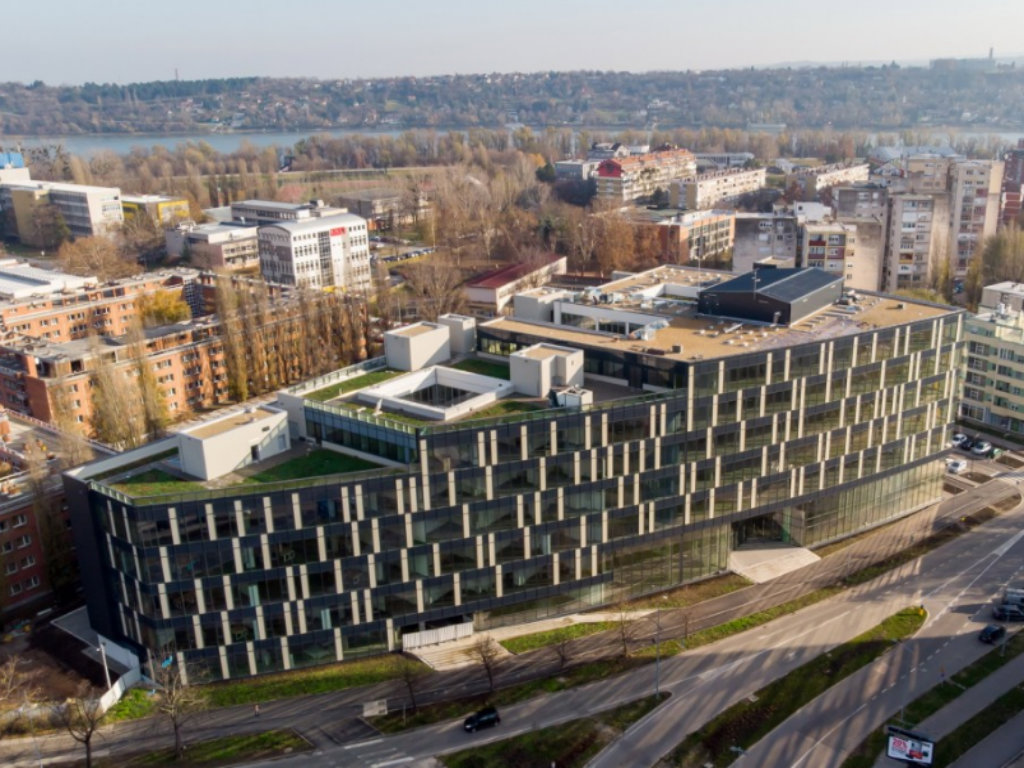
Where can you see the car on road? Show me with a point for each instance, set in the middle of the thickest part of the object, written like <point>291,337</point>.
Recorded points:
<point>981,448</point>
<point>1008,612</point>
<point>992,634</point>
<point>956,466</point>
<point>957,439</point>
<point>485,718</point>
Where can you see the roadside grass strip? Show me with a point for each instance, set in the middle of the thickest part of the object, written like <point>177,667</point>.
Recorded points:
<point>951,746</point>
<point>230,750</point>
<point>926,705</point>
<point>745,723</point>
<point>567,745</point>
<point>531,642</point>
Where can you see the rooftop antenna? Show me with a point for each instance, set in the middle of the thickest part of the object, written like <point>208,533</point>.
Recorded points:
<point>175,74</point>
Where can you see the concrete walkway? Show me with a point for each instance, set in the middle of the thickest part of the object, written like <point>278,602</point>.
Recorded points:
<point>769,560</point>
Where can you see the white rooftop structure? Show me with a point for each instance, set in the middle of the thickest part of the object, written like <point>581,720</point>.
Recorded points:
<point>20,280</point>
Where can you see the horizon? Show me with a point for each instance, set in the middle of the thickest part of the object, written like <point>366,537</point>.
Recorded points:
<point>332,40</point>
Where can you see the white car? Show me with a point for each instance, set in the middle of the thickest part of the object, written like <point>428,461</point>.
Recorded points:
<point>956,466</point>
<point>958,438</point>
<point>982,448</point>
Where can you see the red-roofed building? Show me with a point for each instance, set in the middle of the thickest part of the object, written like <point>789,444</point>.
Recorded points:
<point>490,293</point>
<point>628,179</point>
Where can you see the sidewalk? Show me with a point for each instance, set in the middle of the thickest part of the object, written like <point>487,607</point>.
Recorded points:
<point>1004,747</point>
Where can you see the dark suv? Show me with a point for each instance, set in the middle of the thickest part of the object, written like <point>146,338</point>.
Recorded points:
<point>992,634</point>
<point>485,718</point>
<point>1008,612</point>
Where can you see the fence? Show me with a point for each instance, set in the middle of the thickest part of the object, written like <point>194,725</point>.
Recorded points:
<point>413,640</point>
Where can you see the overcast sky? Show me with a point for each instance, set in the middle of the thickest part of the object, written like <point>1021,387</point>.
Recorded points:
<point>75,41</point>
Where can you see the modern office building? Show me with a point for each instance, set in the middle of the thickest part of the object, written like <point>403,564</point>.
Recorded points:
<point>993,394</point>
<point>598,446</point>
<point>86,210</point>
<point>229,245</point>
<point>274,212</point>
<point>162,209</point>
<point>318,253</point>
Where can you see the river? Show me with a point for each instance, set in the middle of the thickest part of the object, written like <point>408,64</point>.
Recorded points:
<point>88,145</point>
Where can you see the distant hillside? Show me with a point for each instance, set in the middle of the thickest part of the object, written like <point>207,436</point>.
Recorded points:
<point>877,97</point>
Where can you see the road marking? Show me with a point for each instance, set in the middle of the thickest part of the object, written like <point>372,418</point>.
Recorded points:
<point>362,744</point>
<point>399,761</point>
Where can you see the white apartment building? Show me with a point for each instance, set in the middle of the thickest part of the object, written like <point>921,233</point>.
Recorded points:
<point>974,197</point>
<point>832,246</point>
<point>705,190</point>
<point>631,178</point>
<point>813,180</point>
<point>317,253</point>
<point>215,245</point>
<point>916,241</point>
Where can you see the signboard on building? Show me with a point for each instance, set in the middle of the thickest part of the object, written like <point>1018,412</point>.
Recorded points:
<point>337,232</point>
<point>911,748</point>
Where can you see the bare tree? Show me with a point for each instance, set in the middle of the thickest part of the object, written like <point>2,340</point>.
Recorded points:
<point>233,335</point>
<point>487,652</point>
<point>180,697</point>
<point>153,399</point>
<point>95,256</point>
<point>436,284</point>
<point>563,649</point>
<point>411,673</point>
<point>81,717</point>
<point>117,416</point>
<point>16,689</point>
<point>624,627</point>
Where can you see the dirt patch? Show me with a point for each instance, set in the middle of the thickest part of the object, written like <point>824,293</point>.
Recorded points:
<point>53,680</point>
<point>1010,461</point>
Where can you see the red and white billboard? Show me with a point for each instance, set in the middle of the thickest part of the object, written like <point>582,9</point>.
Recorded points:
<point>911,748</point>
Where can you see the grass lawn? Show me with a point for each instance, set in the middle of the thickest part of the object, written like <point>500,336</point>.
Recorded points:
<point>350,385</point>
<point>530,642</point>
<point>953,745</point>
<point>743,724</point>
<point>230,750</point>
<point>405,418</point>
<point>921,708</point>
<point>155,482</point>
<point>304,682</point>
<point>313,464</point>
<point>567,745</point>
<point>691,594</point>
<point>506,408</point>
<point>484,368</point>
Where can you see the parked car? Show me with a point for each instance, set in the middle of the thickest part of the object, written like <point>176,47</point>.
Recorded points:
<point>992,634</point>
<point>981,448</point>
<point>957,439</point>
<point>1008,612</point>
<point>485,718</point>
<point>966,444</point>
<point>956,466</point>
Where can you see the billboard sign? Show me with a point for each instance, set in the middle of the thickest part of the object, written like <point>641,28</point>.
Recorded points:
<point>911,748</point>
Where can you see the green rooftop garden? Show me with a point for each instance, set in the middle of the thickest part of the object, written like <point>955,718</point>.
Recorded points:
<point>313,464</point>
<point>405,418</point>
<point>155,482</point>
<point>351,385</point>
<point>507,408</point>
<point>490,368</point>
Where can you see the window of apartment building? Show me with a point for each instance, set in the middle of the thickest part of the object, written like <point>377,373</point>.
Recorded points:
<point>28,562</point>
<point>32,583</point>
<point>23,541</point>
<point>15,589</point>
<point>19,520</point>
<point>7,546</point>
<point>11,568</point>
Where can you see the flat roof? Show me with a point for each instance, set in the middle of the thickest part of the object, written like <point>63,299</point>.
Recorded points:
<point>220,426</point>
<point>711,337</point>
<point>415,329</point>
<point>544,351</point>
<point>318,223</point>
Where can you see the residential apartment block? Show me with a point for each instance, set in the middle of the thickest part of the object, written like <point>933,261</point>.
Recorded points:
<point>705,190</point>
<point>628,179</point>
<point>318,253</point>
<point>993,387</point>
<point>649,427</point>
<point>813,181</point>
<point>765,236</point>
<point>974,190</point>
<point>917,240</point>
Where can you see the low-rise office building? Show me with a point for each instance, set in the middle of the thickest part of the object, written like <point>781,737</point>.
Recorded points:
<point>162,209</point>
<point>490,293</point>
<point>318,253</point>
<point>603,446</point>
<point>229,245</point>
<point>86,210</point>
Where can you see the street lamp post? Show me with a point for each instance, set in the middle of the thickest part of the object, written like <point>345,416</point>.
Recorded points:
<point>103,657</point>
<point>657,648</point>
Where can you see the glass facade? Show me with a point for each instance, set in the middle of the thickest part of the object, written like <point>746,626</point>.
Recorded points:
<point>504,520</point>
